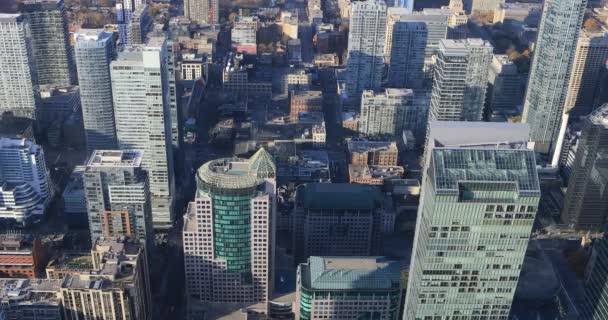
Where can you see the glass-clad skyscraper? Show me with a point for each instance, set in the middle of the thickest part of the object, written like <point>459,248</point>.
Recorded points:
<point>550,70</point>
<point>228,231</point>
<point>479,199</point>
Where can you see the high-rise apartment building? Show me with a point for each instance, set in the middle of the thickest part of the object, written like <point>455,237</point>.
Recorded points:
<point>586,202</point>
<point>505,90</point>
<point>550,70</point>
<point>480,197</point>
<point>344,288</point>
<point>383,113</point>
<point>436,21</point>
<point>124,11</point>
<point>143,118</point>
<point>50,41</point>
<point>202,11</point>
<point>337,219</point>
<point>406,67</point>
<point>117,196</point>
<point>19,95</point>
<point>139,24</point>
<point>94,50</point>
<point>365,47</point>
<point>25,188</point>
<point>460,80</point>
<point>229,231</point>
<point>591,54</point>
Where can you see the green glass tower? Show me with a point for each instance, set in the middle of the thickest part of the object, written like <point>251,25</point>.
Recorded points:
<point>228,233</point>
<point>478,204</point>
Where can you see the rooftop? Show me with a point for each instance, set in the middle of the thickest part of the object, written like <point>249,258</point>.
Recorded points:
<point>479,134</point>
<point>328,196</point>
<point>236,173</point>
<point>599,116</point>
<point>29,291</point>
<point>351,273</point>
<point>371,146</point>
<point>386,172</point>
<point>115,158</point>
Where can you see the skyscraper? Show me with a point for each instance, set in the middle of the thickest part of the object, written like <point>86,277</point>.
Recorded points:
<point>94,50</point>
<point>18,92</point>
<point>50,41</point>
<point>139,25</point>
<point>229,231</point>
<point>143,118</point>
<point>117,196</point>
<point>409,4</point>
<point>586,201</point>
<point>365,47</point>
<point>124,11</point>
<point>479,200</point>
<point>384,113</point>
<point>505,90</point>
<point>595,305</point>
<point>550,70</point>
<point>406,67</point>
<point>460,80</point>
<point>591,55</point>
<point>202,11</point>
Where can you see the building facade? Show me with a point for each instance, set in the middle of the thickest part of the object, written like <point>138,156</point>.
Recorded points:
<point>143,118</point>
<point>479,199</point>
<point>344,288</point>
<point>229,231</point>
<point>460,80</point>
<point>50,41</point>
<point>21,256</point>
<point>337,220</point>
<point>94,50</point>
<point>117,196</point>
<point>591,55</point>
<point>550,70</point>
<point>202,11</point>
<point>586,200</point>
<point>124,12</point>
<point>406,67</point>
<point>138,26</point>
<point>384,113</point>
<point>505,91</point>
<point>305,101</point>
<point>596,279</point>
<point>365,47</point>
<point>375,153</point>
<point>19,95</point>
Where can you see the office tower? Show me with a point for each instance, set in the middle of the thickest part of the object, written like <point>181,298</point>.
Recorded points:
<point>305,102</point>
<point>117,196</point>
<point>25,188</point>
<point>124,11</point>
<point>587,200</point>
<point>436,21</point>
<point>406,67</point>
<point>116,288</point>
<point>50,41</point>
<point>460,80</point>
<point>229,231</point>
<point>480,198</point>
<point>35,299</point>
<point>591,55</point>
<point>383,113</point>
<point>202,11</point>
<point>505,90</point>
<point>550,71</point>
<point>94,50</point>
<point>21,256</point>
<point>408,4</point>
<point>337,219</point>
<point>19,95</point>
<point>139,24</point>
<point>348,288</point>
<point>143,118</point>
<point>596,280</point>
<point>365,47</point>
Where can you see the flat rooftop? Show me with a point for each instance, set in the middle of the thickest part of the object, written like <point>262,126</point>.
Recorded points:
<point>478,134</point>
<point>371,146</point>
<point>338,196</point>
<point>115,158</point>
<point>599,116</point>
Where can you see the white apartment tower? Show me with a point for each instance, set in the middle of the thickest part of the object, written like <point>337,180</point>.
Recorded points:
<point>202,11</point>
<point>229,231</point>
<point>384,112</point>
<point>19,94</point>
<point>94,50</point>
<point>365,47</point>
<point>460,80</point>
<point>143,118</point>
